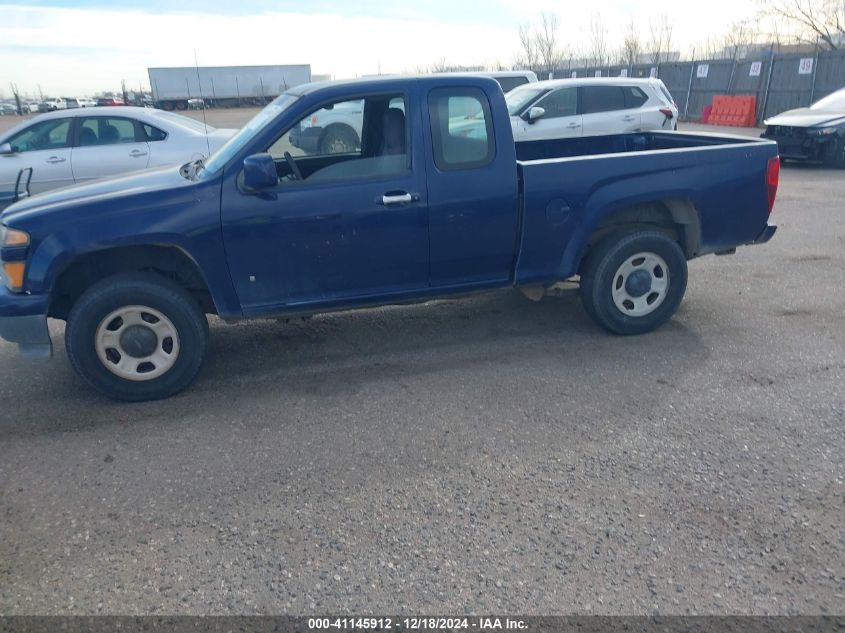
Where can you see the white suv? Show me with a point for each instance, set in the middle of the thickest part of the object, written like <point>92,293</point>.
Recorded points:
<point>562,108</point>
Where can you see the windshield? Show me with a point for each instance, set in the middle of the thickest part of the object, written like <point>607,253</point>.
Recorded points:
<point>520,97</point>
<point>835,101</point>
<point>258,122</point>
<point>184,121</point>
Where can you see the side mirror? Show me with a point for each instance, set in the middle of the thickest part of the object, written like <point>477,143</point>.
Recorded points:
<point>534,113</point>
<point>6,148</point>
<point>260,172</point>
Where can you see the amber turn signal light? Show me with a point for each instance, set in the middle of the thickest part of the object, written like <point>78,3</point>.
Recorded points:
<point>13,272</point>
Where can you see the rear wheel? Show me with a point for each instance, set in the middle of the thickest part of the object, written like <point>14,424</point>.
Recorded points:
<point>136,336</point>
<point>632,283</point>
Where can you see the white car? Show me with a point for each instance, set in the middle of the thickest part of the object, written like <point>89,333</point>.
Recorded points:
<point>562,108</point>
<point>86,102</point>
<point>74,146</point>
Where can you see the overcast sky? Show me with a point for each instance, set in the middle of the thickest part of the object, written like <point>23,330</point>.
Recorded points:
<point>79,47</point>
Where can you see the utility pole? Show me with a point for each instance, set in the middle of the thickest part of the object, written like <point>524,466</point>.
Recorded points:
<point>17,96</point>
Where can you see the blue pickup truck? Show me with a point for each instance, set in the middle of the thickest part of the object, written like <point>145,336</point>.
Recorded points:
<point>434,199</point>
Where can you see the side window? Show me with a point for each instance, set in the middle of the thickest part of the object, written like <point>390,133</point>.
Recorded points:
<point>51,134</point>
<point>634,97</point>
<point>348,140</point>
<point>153,133</point>
<point>106,131</point>
<point>334,129</point>
<point>461,128</point>
<point>560,103</point>
<point>602,99</point>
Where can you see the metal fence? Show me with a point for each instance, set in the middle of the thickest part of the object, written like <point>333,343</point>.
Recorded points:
<point>779,82</point>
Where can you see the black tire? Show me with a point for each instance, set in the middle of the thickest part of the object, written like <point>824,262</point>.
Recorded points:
<point>601,273</point>
<point>338,139</point>
<point>131,289</point>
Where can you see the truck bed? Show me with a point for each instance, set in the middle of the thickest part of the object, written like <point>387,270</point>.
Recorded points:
<point>567,185</point>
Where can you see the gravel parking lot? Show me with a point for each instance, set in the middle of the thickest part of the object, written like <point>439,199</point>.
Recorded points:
<point>481,455</point>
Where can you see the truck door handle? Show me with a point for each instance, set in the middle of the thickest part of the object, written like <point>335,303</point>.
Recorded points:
<point>628,118</point>
<point>396,198</point>
<point>574,125</point>
<point>135,153</point>
<point>56,159</point>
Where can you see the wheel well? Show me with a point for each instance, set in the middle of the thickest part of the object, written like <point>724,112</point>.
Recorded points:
<point>677,217</point>
<point>168,261</point>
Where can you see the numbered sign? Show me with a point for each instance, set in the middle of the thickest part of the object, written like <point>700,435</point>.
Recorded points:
<point>805,66</point>
<point>653,73</point>
<point>703,71</point>
<point>598,73</point>
<point>623,72</point>
<point>755,69</point>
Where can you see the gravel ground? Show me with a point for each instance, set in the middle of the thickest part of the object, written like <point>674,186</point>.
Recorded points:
<point>484,455</point>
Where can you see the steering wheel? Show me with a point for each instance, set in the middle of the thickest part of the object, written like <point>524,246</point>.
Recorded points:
<point>294,168</point>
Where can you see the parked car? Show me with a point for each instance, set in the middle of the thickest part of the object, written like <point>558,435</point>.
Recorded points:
<point>31,107</point>
<point>110,101</point>
<point>8,109</point>
<point>86,102</point>
<point>814,134</point>
<point>562,108</point>
<point>416,212</point>
<point>51,105</point>
<point>510,79</point>
<point>68,147</point>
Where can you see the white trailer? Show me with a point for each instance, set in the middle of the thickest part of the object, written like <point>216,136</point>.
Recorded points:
<point>223,86</point>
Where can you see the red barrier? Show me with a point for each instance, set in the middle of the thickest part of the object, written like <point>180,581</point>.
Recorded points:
<point>733,111</point>
<point>705,114</point>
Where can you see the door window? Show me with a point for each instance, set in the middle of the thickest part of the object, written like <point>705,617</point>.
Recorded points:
<point>461,128</point>
<point>348,140</point>
<point>560,103</point>
<point>602,99</point>
<point>50,134</point>
<point>106,131</point>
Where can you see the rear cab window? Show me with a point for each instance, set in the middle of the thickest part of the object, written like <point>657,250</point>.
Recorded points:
<point>461,128</point>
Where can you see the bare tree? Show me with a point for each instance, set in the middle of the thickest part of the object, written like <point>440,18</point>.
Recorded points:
<point>598,41</point>
<point>547,44</point>
<point>810,21</point>
<point>739,37</point>
<point>439,66</point>
<point>632,46</point>
<point>528,57</point>
<point>660,44</point>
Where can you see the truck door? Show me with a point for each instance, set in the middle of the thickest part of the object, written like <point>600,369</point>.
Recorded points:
<point>472,188</point>
<point>354,225</point>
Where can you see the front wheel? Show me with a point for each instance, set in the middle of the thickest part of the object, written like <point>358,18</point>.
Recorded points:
<point>632,283</point>
<point>136,336</point>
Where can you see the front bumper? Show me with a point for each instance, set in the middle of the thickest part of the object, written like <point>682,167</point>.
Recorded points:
<point>796,144</point>
<point>23,320</point>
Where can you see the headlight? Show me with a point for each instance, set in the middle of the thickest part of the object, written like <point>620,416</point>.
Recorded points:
<point>12,238</point>
<point>824,131</point>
